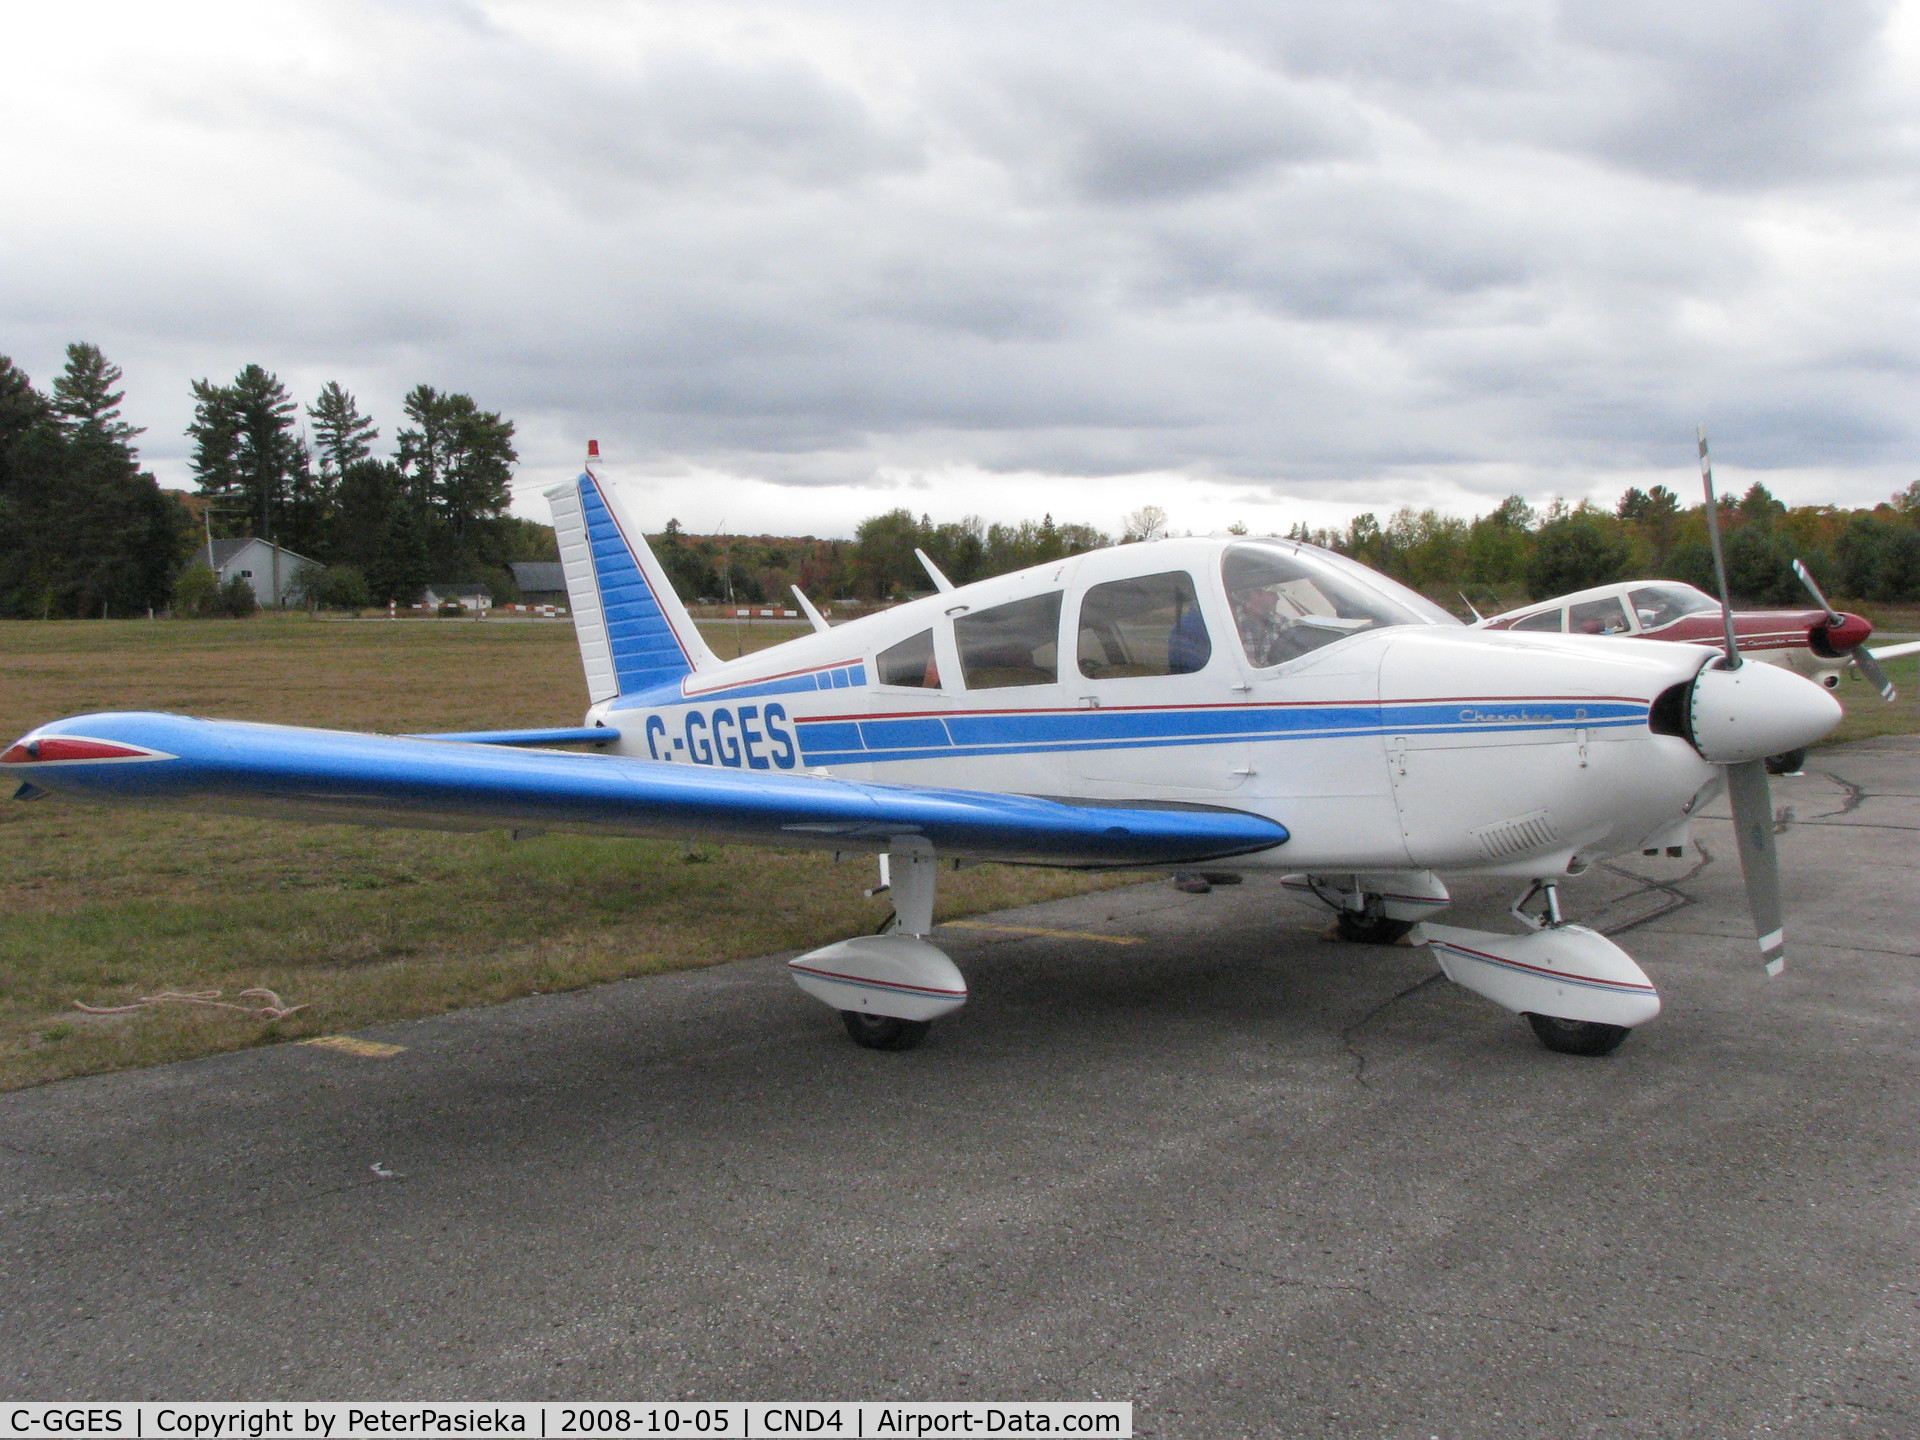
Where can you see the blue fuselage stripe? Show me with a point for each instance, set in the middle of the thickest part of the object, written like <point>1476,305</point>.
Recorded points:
<point>845,740</point>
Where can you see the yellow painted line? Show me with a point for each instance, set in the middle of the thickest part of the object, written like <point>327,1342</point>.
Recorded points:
<point>354,1045</point>
<point>1037,930</point>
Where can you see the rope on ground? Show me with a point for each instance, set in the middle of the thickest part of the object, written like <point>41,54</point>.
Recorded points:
<point>274,1009</point>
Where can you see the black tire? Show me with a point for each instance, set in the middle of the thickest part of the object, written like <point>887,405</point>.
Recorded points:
<point>1577,1037</point>
<point>1370,926</point>
<point>884,1032</point>
<point>1787,764</point>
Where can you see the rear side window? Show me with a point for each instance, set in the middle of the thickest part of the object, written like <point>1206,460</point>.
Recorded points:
<point>1598,617</point>
<point>910,662</point>
<point>1148,625</point>
<point>1545,620</point>
<point>1008,645</point>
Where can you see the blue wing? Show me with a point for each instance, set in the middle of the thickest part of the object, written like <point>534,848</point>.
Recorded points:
<point>394,780</point>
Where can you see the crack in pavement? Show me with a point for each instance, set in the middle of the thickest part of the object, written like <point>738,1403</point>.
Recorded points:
<point>1400,1307</point>
<point>1346,1035</point>
<point>1856,796</point>
<point>1677,899</point>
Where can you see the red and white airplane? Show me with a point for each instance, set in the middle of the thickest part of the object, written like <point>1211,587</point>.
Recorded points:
<point>1254,704</point>
<point>1818,643</point>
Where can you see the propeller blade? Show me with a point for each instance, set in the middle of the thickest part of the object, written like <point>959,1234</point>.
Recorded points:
<point>1806,579</point>
<point>1719,555</point>
<point>1759,860</point>
<point>1862,656</point>
<point>1870,667</point>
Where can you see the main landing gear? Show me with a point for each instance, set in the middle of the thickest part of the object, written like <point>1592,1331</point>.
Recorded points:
<point>1376,909</point>
<point>884,1032</point>
<point>889,988</point>
<point>1371,925</point>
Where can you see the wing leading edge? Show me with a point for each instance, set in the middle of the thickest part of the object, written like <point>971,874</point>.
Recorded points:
<point>389,780</point>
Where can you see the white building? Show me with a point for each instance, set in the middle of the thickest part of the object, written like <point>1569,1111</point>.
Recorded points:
<point>271,569</point>
<point>468,597</point>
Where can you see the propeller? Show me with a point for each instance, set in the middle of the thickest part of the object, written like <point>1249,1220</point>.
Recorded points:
<point>1862,656</point>
<point>1747,788</point>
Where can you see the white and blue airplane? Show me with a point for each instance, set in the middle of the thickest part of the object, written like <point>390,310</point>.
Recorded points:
<point>1189,703</point>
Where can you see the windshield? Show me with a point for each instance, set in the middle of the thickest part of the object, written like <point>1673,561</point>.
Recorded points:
<point>1288,600</point>
<point>1658,605</point>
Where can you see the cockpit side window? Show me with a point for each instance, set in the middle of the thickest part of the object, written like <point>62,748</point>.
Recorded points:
<point>1659,605</point>
<point>1145,625</point>
<point>1545,620</point>
<point>1606,616</point>
<point>1013,644</point>
<point>910,663</point>
<point>1284,605</point>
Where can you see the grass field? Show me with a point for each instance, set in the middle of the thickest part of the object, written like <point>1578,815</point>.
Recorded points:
<point>107,905</point>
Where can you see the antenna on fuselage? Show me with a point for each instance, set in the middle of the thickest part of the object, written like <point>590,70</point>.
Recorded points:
<point>940,582</point>
<point>818,620</point>
<point>1477,616</point>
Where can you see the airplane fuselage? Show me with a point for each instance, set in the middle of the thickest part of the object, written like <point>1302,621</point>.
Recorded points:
<point>1422,745</point>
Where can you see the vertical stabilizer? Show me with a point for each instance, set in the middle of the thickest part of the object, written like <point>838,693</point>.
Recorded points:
<point>634,633</point>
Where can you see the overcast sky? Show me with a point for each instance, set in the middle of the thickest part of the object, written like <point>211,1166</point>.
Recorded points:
<point>794,264</point>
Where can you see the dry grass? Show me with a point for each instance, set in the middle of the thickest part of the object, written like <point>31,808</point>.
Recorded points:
<point>1868,715</point>
<point>105,905</point>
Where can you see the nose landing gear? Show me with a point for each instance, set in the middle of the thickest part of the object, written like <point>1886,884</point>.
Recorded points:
<point>1577,1037</point>
<point>1579,991</point>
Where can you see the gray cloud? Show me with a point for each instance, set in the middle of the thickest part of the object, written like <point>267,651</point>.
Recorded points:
<point>1309,250</point>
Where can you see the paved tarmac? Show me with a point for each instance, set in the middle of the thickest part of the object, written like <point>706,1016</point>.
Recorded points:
<point>1257,1183</point>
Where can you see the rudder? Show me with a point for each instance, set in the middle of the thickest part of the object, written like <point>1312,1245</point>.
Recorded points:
<point>634,632</point>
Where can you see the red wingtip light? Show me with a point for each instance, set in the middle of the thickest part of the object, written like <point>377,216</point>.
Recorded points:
<point>50,749</point>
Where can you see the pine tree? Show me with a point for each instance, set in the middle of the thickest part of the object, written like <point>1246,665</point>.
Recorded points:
<point>342,435</point>
<point>268,455</point>
<point>83,530</point>
<point>84,397</point>
<point>244,449</point>
<point>458,460</point>
<point>215,432</point>
<point>422,452</point>
<point>475,487</point>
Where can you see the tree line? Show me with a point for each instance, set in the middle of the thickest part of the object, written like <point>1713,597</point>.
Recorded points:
<point>433,511</point>
<point>84,531</point>
<point>1868,554</point>
<point>876,566</point>
<point>1513,552</point>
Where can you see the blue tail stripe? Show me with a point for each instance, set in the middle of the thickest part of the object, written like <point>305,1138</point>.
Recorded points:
<point>644,648</point>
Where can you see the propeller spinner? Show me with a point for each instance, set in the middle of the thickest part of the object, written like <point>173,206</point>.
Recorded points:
<point>1837,626</point>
